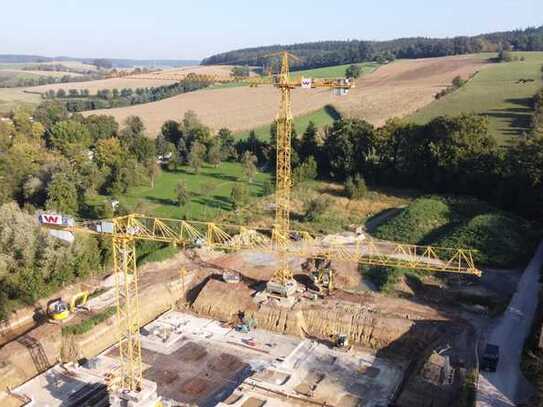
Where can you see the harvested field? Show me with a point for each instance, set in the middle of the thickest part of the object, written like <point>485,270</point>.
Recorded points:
<point>237,108</point>
<point>393,90</point>
<point>401,88</point>
<point>135,82</point>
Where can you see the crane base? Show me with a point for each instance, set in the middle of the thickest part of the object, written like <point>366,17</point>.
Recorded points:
<point>148,397</point>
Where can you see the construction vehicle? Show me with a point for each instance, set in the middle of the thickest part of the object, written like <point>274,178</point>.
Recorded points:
<point>321,273</point>
<point>59,310</point>
<point>246,325</point>
<point>342,341</point>
<point>491,358</point>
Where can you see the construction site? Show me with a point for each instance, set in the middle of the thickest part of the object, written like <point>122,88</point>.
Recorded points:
<point>243,316</point>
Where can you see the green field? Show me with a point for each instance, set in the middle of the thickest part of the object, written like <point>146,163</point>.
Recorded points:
<point>496,93</point>
<point>336,71</point>
<point>322,117</point>
<point>210,188</point>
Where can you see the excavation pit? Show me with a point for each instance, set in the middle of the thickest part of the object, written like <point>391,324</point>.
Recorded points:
<point>206,363</point>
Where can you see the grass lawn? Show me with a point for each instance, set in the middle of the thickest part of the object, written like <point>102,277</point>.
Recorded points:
<point>336,71</point>
<point>496,93</point>
<point>322,117</point>
<point>210,188</point>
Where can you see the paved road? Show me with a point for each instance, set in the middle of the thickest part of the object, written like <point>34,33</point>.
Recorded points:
<point>507,385</point>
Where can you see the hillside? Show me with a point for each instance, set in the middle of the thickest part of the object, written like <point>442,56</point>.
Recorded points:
<point>502,92</point>
<point>393,90</point>
<point>328,53</point>
<point>116,62</point>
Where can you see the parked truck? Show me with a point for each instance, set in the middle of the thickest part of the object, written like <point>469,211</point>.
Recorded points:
<point>491,357</point>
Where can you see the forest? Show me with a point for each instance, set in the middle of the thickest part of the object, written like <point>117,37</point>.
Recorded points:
<point>328,53</point>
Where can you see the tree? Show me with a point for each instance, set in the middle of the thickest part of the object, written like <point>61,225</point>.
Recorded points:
<point>109,153</point>
<point>353,71</point>
<point>171,131</point>
<point>50,112</point>
<point>356,189</point>
<point>227,144</point>
<point>349,187</point>
<point>307,170</point>
<point>240,71</point>
<point>69,136</point>
<point>143,149</point>
<point>239,196</point>
<point>249,165</point>
<point>101,126</point>
<point>182,194</point>
<point>458,82</point>
<point>154,171</point>
<point>309,145</point>
<point>214,155</point>
<point>505,56</point>
<point>269,188</point>
<point>62,195</point>
<point>196,156</point>
<point>133,128</point>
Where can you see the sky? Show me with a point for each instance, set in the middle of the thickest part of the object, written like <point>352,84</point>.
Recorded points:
<point>187,29</point>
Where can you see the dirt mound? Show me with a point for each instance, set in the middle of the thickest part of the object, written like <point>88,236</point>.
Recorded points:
<point>224,301</point>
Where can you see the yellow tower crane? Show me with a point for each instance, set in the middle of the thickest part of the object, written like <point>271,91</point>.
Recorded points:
<point>283,282</point>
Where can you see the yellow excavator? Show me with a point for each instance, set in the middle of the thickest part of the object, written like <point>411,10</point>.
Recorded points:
<point>59,310</point>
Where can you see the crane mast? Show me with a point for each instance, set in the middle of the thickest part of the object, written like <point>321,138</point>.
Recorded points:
<point>283,173</point>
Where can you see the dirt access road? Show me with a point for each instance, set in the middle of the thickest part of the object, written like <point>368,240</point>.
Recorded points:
<point>507,386</point>
<point>393,90</point>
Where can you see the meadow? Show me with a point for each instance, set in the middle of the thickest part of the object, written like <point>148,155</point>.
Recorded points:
<point>210,190</point>
<point>502,92</point>
<point>320,118</point>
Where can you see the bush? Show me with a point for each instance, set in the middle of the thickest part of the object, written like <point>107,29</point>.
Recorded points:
<point>239,196</point>
<point>386,278</point>
<point>88,324</point>
<point>315,207</point>
<point>416,223</point>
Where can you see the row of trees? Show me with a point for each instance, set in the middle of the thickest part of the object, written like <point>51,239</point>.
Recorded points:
<point>81,100</point>
<point>327,53</point>
<point>10,82</point>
